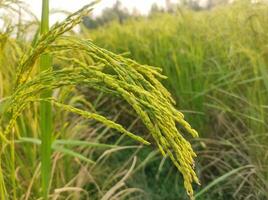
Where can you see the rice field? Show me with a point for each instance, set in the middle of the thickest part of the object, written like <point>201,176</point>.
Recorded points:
<point>165,107</point>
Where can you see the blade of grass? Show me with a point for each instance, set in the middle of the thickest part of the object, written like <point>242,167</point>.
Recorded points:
<point>82,143</point>
<point>72,153</point>
<point>55,146</point>
<point>65,142</point>
<point>220,179</point>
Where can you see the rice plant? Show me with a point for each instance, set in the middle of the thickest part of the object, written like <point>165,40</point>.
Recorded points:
<point>98,69</point>
<point>216,61</point>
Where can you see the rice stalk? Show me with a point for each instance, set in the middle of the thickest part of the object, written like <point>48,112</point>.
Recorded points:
<point>46,118</point>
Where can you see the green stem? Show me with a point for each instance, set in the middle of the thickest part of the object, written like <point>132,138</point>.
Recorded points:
<point>45,111</point>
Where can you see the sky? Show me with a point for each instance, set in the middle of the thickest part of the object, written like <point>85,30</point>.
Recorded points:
<point>143,6</point>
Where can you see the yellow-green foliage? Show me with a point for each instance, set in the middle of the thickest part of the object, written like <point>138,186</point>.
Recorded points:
<point>104,71</point>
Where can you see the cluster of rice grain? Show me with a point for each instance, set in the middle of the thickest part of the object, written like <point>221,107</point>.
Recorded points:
<point>216,63</point>
<point>107,72</point>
